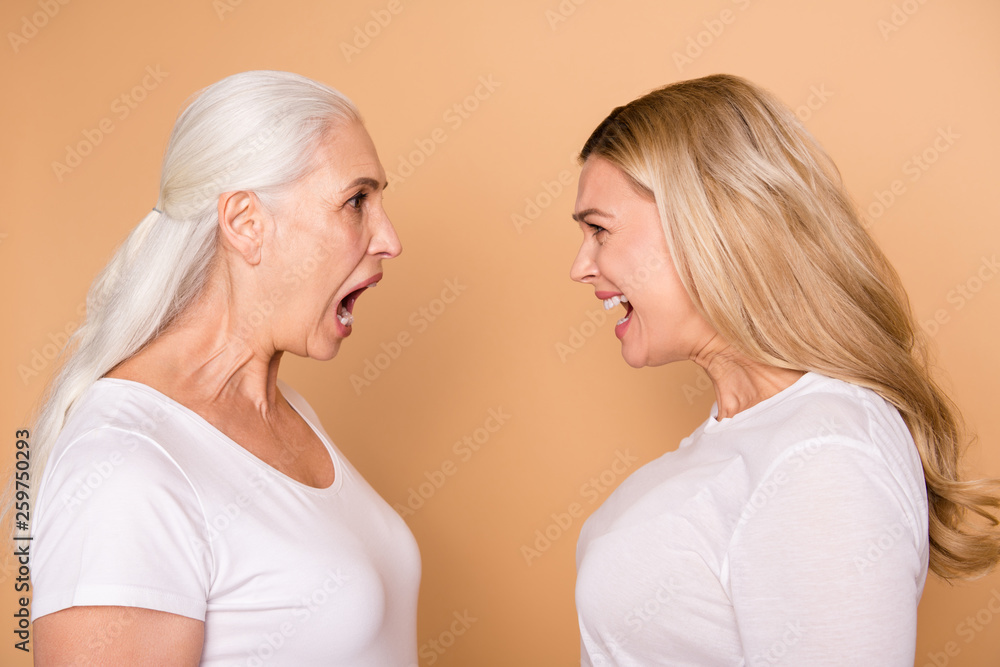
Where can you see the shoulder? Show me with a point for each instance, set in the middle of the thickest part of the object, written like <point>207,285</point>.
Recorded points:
<point>833,449</point>
<point>821,440</point>
<point>843,407</point>
<point>820,412</point>
<point>107,470</point>
<point>120,405</point>
<point>120,442</point>
<point>118,522</point>
<point>113,415</point>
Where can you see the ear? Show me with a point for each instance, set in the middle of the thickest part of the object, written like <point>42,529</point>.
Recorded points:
<point>241,223</point>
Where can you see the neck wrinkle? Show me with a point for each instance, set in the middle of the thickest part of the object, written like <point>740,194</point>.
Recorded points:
<point>216,356</point>
<point>740,383</point>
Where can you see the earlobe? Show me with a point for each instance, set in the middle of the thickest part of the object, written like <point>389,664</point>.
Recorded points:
<point>241,224</point>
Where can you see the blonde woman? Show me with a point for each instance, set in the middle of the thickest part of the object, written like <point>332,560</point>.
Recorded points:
<point>796,525</point>
<point>192,509</point>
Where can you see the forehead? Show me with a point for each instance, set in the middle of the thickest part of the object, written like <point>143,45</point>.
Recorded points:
<point>347,153</point>
<point>601,183</point>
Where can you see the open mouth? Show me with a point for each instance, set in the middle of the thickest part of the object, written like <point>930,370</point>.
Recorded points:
<point>345,311</point>
<point>614,301</point>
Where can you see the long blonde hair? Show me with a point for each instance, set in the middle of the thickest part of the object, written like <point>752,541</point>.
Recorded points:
<point>745,192</point>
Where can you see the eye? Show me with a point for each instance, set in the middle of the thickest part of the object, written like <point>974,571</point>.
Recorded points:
<point>596,229</point>
<point>357,200</point>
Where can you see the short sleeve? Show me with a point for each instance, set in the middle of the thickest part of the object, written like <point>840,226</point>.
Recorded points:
<point>825,567</point>
<point>118,523</point>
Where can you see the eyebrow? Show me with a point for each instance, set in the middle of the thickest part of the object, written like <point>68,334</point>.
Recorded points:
<point>365,180</point>
<point>590,211</point>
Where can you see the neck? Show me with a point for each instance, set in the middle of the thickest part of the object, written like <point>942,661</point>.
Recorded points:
<point>206,357</point>
<point>740,382</point>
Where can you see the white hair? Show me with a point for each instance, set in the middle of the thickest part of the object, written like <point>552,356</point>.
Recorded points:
<point>256,131</point>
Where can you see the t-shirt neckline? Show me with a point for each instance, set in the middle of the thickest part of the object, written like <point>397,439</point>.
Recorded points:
<point>715,425</point>
<point>338,467</point>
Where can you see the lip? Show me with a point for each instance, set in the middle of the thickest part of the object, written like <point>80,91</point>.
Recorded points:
<point>620,329</point>
<point>364,283</point>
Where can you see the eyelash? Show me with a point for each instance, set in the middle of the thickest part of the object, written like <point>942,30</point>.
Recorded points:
<point>596,229</point>
<point>359,199</point>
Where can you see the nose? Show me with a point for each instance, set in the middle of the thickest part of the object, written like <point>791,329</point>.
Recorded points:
<point>385,242</point>
<point>584,268</point>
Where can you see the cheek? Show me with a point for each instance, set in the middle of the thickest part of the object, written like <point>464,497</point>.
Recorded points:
<point>347,247</point>
<point>328,262</point>
<point>642,273</point>
<point>660,295</point>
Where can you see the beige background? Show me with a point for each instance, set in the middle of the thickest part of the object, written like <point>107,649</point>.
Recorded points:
<point>886,81</point>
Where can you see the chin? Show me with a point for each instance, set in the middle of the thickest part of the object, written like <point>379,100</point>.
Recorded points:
<point>646,360</point>
<point>324,352</point>
<point>633,360</point>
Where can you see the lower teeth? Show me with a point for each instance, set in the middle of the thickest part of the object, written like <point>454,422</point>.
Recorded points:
<point>345,317</point>
<point>624,319</point>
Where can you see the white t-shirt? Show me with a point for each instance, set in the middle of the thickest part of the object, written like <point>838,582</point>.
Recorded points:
<point>145,504</point>
<point>794,533</point>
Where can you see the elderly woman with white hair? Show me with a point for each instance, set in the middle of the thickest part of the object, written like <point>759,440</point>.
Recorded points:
<point>192,509</point>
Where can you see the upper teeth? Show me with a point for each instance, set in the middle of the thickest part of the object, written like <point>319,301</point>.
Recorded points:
<point>614,301</point>
<point>345,317</point>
